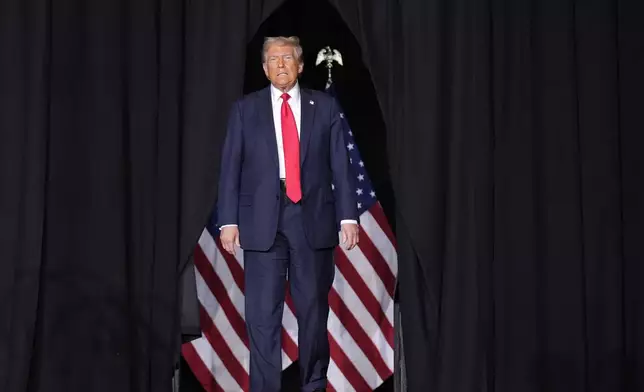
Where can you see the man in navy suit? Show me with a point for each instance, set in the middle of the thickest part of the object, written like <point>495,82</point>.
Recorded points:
<point>285,192</point>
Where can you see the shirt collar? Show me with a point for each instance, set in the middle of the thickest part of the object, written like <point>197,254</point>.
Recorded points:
<point>276,94</point>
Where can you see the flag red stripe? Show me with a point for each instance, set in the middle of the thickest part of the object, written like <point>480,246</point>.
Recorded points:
<point>289,346</point>
<point>289,300</point>
<point>358,334</point>
<point>199,369</point>
<point>217,289</point>
<point>347,367</point>
<point>379,215</point>
<point>235,268</point>
<point>224,352</point>
<point>362,291</point>
<point>378,262</point>
<point>329,387</point>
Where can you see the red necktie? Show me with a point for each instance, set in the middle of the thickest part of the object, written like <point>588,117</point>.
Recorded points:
<point>291,151</point>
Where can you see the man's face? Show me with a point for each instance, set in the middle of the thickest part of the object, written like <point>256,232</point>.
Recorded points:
<point>281,66</point>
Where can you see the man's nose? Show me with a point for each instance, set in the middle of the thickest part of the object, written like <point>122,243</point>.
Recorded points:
<point>280,62</point>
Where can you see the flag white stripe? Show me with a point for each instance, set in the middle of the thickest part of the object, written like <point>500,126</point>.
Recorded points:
<point>222,323</point>
<point>370,278</point>
<point>286,360</point>
<point>212,361</point>
<point>290,325</point>
<point>380,240</point>
<point>337,379</point>
<point>239,256</point>
<point>218,263</point>
<point>289,322</point>
<point>352,351</point>
<point>367,323</point>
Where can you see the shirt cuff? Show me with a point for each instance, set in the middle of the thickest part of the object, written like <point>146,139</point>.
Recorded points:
<point>231,225</point>
<point>355,222</point>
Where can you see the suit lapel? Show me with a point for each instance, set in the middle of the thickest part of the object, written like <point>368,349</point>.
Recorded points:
<point>267,123</point>
<point>307,105</point>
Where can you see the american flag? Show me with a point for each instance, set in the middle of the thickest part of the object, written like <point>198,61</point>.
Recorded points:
<point>361,319</point>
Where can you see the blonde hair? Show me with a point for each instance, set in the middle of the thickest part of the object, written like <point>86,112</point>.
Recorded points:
<point>290,41</point>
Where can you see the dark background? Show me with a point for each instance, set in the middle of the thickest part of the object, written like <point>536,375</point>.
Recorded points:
<point>514,137</point>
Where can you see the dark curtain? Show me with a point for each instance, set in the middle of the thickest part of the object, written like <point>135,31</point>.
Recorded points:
<point>519,177</point>
<point>514,132</point>
<point>111,116</point>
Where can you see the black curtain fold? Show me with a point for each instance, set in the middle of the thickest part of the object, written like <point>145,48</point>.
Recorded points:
<point>629,37</point>
<point>514,137</point>
<point>518,125</point>
<point>111,117</point>
<point>376,25</point>
<point>23,153</point>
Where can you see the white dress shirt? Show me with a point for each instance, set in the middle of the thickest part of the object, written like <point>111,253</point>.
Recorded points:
<point>295,103</point>
<point>296,107</point>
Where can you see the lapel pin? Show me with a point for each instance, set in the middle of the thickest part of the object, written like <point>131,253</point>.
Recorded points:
<point>312,103</point>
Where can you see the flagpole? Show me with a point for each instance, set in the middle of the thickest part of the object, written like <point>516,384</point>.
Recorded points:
<point>329,57</point>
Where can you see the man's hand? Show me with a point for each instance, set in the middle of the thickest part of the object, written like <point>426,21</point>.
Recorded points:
<point>349,235</point>
<point>229,238</point>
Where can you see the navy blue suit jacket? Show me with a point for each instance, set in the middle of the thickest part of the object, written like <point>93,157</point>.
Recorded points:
<point>249,189</point>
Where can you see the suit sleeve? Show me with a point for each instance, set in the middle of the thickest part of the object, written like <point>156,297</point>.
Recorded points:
<point>231,161</point>
<point>343,181</point>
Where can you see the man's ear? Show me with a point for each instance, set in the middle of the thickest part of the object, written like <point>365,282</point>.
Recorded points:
<point>265,69</point>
